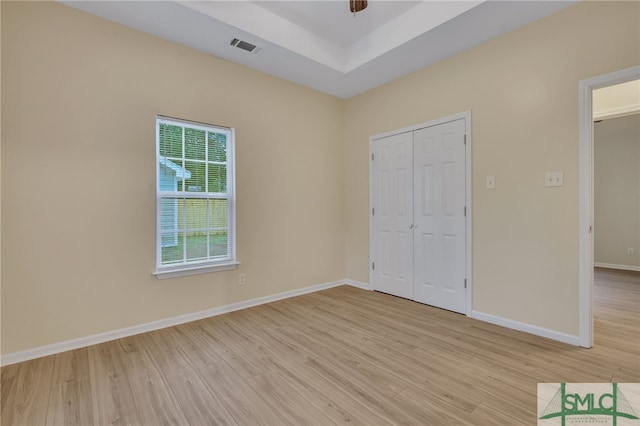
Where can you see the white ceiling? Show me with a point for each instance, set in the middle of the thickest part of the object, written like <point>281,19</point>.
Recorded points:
<point>321,44</point>
<point>332,21</point>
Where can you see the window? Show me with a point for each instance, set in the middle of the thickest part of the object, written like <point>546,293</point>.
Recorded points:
<point>195,229</point>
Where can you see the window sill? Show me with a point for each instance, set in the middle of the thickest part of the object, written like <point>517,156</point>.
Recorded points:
<point>193,270</point>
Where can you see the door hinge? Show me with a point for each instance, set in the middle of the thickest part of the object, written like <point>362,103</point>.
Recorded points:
<point>465,283</point>
<point>465,139</point>
<point>373,211</point>
<point>373,266</point>
<point>590,228</point>
<point>372,156</point>
<point>465,211</point>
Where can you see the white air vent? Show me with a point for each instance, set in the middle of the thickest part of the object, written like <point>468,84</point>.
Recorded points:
<point>245,45</point>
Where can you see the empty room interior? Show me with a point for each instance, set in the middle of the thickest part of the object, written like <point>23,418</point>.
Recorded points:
<point>320,212</point>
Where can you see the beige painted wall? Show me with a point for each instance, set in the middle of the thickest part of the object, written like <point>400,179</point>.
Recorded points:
<point>79,103</point>
<point>78,163</point>
<point>0,181</point>
<point>522,90</point>
<point>617,190</point>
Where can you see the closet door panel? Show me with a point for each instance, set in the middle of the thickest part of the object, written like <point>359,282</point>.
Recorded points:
<point>440,266</point>
<point>392,233</point>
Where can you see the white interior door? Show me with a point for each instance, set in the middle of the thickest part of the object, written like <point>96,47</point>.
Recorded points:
<point>392,216</point>
<point>439,216</point>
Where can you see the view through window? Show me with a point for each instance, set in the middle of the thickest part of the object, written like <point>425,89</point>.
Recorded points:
<point>195,195</point>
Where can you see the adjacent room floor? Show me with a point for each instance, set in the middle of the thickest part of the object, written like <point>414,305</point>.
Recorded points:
<point>339,356</point>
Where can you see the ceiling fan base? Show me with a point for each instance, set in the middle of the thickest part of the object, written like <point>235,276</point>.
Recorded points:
<point>357,5</point>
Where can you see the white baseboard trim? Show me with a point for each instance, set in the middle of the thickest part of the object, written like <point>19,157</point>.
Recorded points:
<point>527,328</point>
<point>28,354</point>
<point>359,284</point>
<point>614,266</point>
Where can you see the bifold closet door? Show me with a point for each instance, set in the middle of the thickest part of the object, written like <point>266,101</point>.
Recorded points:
<point>418,240</point>
<point>439,216</point>
<point>392,216</point>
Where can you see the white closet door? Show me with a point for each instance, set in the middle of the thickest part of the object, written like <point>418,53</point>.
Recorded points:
<point>439,216</point>
<point>392,233</point>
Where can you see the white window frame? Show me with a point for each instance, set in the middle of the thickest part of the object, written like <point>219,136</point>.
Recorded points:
<point>199,266</point>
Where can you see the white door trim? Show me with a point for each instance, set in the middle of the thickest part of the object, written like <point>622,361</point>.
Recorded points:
<point>466,115</point>
<point>586,261</point>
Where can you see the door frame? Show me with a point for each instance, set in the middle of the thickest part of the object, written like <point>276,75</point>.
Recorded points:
<point>466,115</point>
<point>585,221</point>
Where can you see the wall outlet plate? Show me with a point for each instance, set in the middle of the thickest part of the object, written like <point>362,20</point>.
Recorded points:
<point>553,179</point>
<point>491,182</point>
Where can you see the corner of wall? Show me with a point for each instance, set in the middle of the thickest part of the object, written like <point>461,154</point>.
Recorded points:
<point>0,180</point>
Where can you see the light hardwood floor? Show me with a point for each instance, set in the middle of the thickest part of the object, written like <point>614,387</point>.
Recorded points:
<point>338,356</point>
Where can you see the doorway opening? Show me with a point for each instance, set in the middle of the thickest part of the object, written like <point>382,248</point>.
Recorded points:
<point>586,194</point>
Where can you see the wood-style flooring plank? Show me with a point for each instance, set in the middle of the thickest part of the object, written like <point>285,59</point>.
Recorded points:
<point>238,396</point>
<point>340,407</point>
<point>112,401</point>
<point>155,402</point>
<point>292,408</point>
<point>339,356</point>
<point>70,386</point>
<point>28,398</point>
<point>200,404</point>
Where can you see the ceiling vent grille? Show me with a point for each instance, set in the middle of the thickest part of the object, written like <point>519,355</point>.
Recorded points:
<point>245,45</point>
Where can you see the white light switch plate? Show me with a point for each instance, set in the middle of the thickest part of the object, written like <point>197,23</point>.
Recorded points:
<point>554,179</point>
